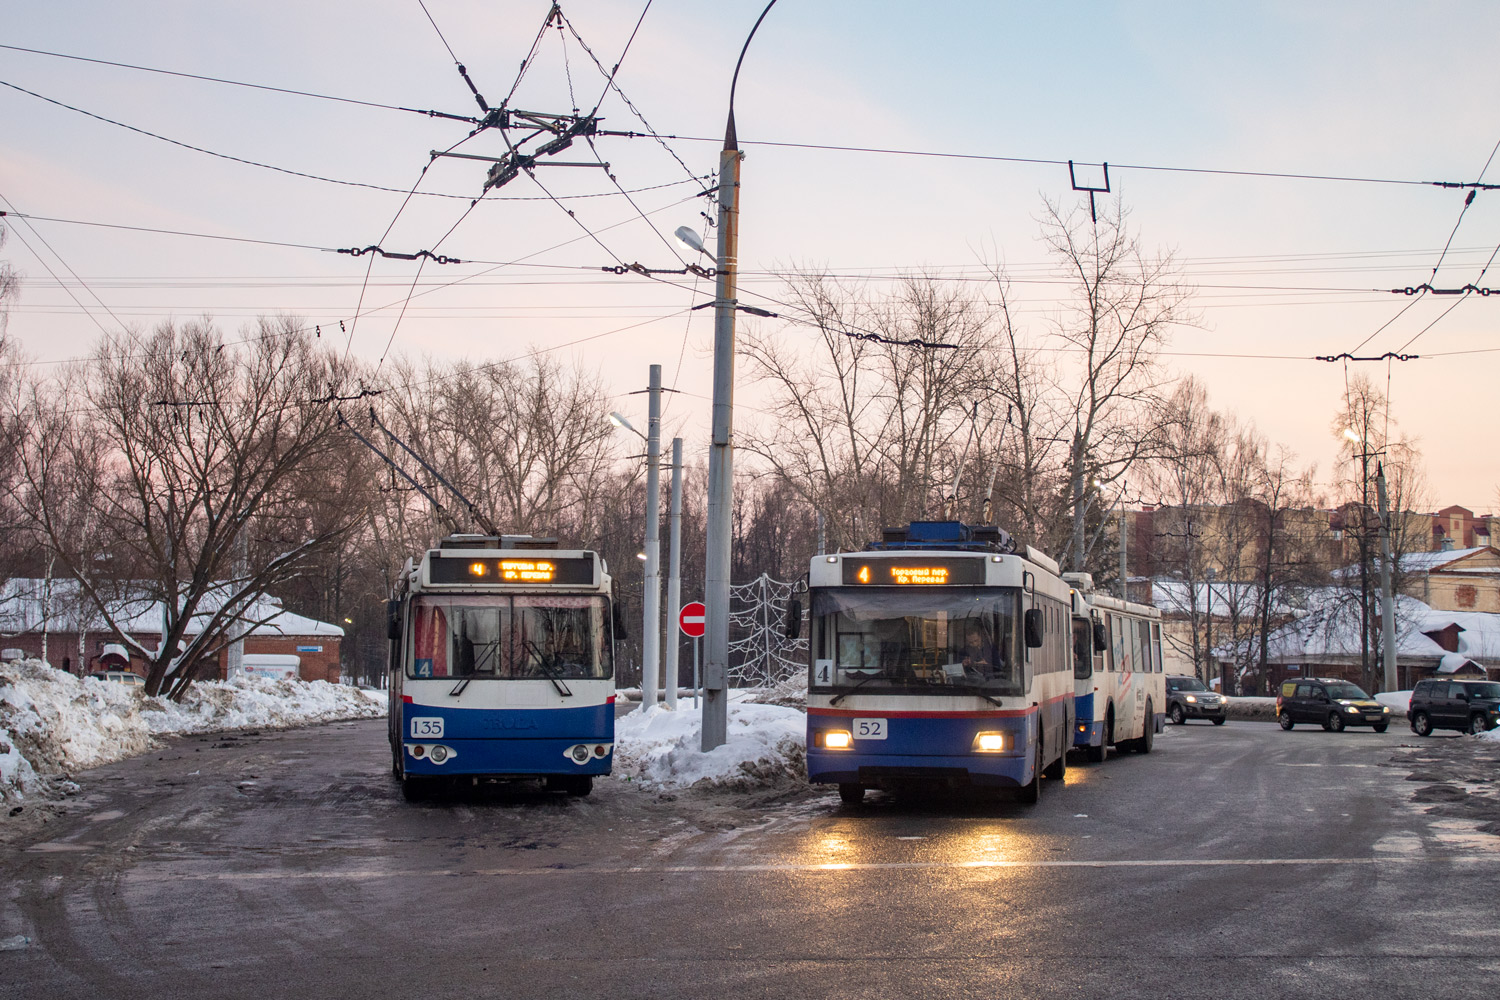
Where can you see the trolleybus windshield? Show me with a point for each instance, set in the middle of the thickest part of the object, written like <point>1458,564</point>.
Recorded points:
<point>520,637</point>
<point>939,641</point>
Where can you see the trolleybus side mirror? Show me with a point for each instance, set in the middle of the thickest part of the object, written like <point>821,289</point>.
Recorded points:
<point>1033,627</point>
<point>393,620</point>
<point>618,622</point>
<point>794,619</point>
<point>1101,638</point>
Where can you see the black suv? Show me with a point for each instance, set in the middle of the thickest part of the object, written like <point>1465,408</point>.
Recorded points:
<point>1331,703</point>
<point>1187,698</point>
<point>1468,706</point>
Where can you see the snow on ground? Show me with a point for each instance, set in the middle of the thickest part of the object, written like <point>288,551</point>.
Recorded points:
<point>53,723</point>
<point>659,749</point>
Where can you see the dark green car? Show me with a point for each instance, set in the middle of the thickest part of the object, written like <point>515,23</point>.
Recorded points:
<point>1468,706</point>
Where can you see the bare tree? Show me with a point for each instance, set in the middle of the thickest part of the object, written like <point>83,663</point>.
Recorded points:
<point>188,481</point>
<point>1121,306</point>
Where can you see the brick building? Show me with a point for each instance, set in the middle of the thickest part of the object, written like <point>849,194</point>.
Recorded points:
<point>47,620</point>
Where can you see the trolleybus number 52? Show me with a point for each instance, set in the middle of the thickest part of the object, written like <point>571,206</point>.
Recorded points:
<point>869,729</point>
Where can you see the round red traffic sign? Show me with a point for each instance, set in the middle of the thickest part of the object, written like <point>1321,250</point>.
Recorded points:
<point>690,619</point>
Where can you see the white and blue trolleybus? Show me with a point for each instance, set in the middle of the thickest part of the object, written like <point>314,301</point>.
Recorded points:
<point>501,665</point>
<point>939,657</point>
<point>1119,688</point>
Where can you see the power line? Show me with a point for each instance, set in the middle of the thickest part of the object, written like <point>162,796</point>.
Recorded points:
<point>232,83</point>
<point>302,173</point>
<point>1224,172</point>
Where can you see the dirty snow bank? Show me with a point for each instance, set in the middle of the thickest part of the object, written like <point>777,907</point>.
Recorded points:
<point>53,723</point>
<point>659,749</point>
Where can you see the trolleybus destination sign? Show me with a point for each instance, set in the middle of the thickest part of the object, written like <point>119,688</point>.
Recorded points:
<point>914,572</point>
<point>518,569</point>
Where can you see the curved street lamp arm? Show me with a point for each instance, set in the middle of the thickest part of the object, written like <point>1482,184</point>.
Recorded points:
<point>731,141</point>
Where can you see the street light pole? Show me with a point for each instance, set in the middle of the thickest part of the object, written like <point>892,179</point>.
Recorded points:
<point>721,450</point>
<point>651,603</point>
<point>1387,597</point>
<point>674,575</point>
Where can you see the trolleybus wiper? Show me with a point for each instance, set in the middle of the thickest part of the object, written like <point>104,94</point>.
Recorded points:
<point>458,688</point>
<point>544,667</point>
<point>862,682</point>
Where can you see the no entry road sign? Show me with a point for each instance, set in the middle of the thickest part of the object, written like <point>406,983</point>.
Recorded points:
<point>691,618</point>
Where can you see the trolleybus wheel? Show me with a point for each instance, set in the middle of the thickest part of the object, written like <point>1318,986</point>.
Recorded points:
<point>1031,792</point>
<point>1148,732</point>
<point>415,789</point>
<point>851,794</point>
<point>1097,754</point>
<point>579,785</point>
<point>1058,769</point>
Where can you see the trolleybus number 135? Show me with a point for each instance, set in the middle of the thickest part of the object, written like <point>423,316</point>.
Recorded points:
<point>428,727</point>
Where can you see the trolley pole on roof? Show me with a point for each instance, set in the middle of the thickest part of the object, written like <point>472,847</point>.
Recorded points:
<point>674,574</point>
<point>651,603</point>
<point>1387,597</point>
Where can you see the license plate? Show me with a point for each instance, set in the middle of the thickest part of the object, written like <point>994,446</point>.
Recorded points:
<point>869,729</point>
<point>427,728</point>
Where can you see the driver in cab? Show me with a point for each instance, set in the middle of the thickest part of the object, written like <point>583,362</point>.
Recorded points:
<point>980,655</point>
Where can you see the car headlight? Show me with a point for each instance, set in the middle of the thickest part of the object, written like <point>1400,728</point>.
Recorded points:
<point>1192,697</point>
<point>1352,709</point>
<point>990,742</point>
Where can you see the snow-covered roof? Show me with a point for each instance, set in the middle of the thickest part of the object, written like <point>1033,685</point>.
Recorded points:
<point>1426,562</point>
<point>1178,597</point>
<point>27,604</point>
<point>1329,629</point>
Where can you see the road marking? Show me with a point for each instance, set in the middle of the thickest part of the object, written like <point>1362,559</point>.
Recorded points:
<point>814,868</point>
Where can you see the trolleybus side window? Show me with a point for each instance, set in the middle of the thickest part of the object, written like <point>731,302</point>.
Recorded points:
<point>1120,644</point>
<point>1083,649</point>
<point>1156,646</point>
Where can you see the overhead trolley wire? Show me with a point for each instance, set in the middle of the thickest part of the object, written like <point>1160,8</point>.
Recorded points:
<point>231,83</point>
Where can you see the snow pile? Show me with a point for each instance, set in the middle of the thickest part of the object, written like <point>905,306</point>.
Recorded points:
<point>52,723</point>
<point>1396,701</point>
<point>660,749</point>
<point>211,706</point>
<point>1493,735</point>
<point>790,693</point>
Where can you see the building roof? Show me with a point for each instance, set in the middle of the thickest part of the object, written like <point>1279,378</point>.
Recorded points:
<point>26,607</point>
<point>1329,630</point>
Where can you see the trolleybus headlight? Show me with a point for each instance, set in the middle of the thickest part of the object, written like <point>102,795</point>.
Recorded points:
<point>580,753</point>
<point>989,742</point>
<point>439,754</point>
<point>837,739</point>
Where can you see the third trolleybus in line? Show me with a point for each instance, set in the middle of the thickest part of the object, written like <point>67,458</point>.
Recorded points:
<point>1119,688</point>
<point>939,656</point>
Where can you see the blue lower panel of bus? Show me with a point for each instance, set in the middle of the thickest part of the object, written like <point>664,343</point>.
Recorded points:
<point>508,741</point>
<point>1087,733</point>
<point>923,749</point>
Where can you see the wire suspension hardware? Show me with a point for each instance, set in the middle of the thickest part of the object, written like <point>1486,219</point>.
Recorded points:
<point>1073,179</point>
<point>436,258</point>
<point>1465,290</point>
<point>639,268</point>
<point>1387,356</point>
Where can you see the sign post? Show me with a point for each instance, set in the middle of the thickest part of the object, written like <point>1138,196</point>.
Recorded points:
<point>691,619</point>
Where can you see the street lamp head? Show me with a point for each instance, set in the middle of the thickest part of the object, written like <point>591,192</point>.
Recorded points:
<point>618,419</point>
<point>690,239</point>
<point>1350,433</point>
<point>641,556</point>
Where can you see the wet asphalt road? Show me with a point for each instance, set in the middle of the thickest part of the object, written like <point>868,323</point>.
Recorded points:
<point>1231,862</point>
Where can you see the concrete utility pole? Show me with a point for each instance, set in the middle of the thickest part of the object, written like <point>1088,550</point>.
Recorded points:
<point>651,602</point>
<point>717,556</point>
<point>1387,596</point>
<point>1124,579</point>
<point>674,574</point>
